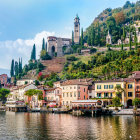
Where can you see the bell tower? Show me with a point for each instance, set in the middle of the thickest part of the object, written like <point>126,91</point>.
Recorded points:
<point>77,30</point>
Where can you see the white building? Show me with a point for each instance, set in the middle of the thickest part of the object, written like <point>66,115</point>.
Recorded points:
<point>24,81</point>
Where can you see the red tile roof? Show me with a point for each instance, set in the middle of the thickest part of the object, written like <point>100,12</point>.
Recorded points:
<point>77,82</point>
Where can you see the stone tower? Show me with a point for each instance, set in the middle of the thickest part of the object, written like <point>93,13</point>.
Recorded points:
<point>77,30</point>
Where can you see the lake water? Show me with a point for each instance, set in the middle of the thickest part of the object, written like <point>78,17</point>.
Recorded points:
<point>42,126</point>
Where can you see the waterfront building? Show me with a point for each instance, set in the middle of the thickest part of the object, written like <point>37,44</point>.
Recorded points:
<point>53,95</point>
<point>106,91</point>
<point>76,89</point>
<point>91,91</point>
<point>136,76</point>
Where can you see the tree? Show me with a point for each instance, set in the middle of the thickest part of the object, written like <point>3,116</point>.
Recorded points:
<point>43,44</point>
<point>122,46</point>
<point>120,91</point>
<point>32,92</point>
<point>98,35</point>
<point>135,40</point>
<point>92,36</point>
<point>124,34</point>
<point>72,38</point>
<point>116,101</point>
<point>136,102</point>
<point>3,94</point>
<point>12,68</point>
<point>16,68</point>
<point>120,18</point>
<point>44,55</point>
<point>89,40</point>
<point>81,39</point>
<point>130,41</point>
<point>20,66</point>
<point>33,53</point>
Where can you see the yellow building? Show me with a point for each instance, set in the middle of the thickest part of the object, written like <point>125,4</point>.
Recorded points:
<point>105,91</point>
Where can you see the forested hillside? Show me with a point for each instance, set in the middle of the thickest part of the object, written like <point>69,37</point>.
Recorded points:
<point>113,20</point>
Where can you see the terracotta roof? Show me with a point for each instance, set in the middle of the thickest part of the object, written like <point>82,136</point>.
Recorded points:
<point>77,82</point>
<point>136,72</point>
<point>129,79</point>
<point>114,80</point>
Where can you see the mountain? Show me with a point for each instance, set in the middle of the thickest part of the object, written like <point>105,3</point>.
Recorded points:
<point>5,71</point>
<point>113,20</point>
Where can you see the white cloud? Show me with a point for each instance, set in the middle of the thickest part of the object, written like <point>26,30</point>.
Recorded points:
<point>20,48</point>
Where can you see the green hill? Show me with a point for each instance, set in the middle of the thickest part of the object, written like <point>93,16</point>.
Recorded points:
<point>113,20</point>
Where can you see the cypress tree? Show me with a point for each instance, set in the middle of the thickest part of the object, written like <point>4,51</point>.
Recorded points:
<point>16,68</point>
<point>89,40</point>
<point>12,68</point>
<point>46,46</point>
<point>130,43</point>
<point>21,64</point>
<point>135,40</point>
<point>82,40</point>
<point>122,46</point>
<point>72,38</point>
<point>33,53</point>
<point>92,36</point>
<point>124,35</point>
<point>43,44</point>
<point>98,34</point>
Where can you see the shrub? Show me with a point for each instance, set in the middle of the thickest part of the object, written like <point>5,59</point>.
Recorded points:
<point>71,58</point>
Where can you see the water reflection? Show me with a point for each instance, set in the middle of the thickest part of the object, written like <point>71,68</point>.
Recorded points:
<point>67,127</point>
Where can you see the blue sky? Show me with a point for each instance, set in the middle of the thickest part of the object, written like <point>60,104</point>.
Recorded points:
<point>24,22</point>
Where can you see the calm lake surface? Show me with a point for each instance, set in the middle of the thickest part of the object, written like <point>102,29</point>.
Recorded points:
<point>40,126</point>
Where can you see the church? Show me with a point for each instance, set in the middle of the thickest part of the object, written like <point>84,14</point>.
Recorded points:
<point>55,44</point>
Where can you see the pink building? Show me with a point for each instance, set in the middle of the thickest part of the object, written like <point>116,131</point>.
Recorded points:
<point>3,79</point>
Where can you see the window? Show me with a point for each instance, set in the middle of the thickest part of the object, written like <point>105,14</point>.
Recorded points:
<point>105,86</point>
<point>71,94</point>
<point>70,87</point>
<point>129,86</point>
<point>137,87</point>
<point>111,86</point>
<point>105,95</point>
<point>99,95</point>
<point>67,94</point>
<point>84,89</point>
<point>63,88</point>
<point>84,97</point>
<point>74,94</point>
<point>110,94</point>
<point>74,87</point>
<point>98,86</point>
<point>129,94</point>
<point>79,94</point>
<point>63,94</point>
